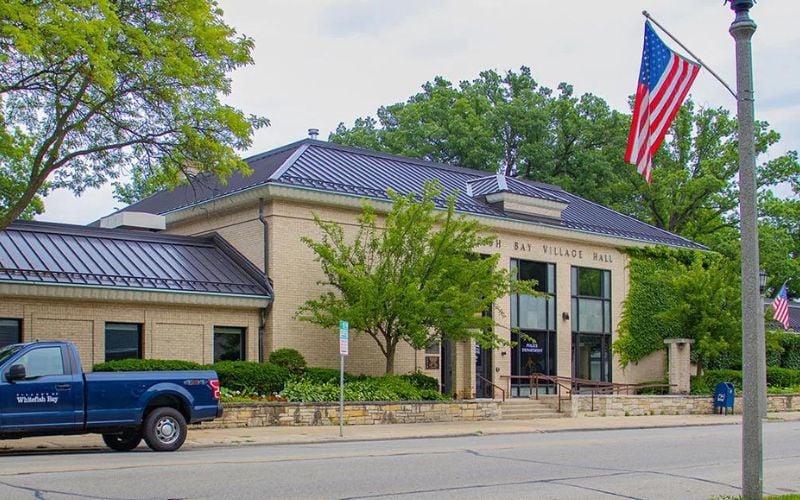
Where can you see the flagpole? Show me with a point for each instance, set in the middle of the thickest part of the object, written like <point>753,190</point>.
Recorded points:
<point>697,59</point>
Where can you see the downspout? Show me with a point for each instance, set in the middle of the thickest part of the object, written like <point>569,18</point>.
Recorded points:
<point>265,310</point>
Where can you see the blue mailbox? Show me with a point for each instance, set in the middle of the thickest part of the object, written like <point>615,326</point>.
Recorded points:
<point>724,394</point>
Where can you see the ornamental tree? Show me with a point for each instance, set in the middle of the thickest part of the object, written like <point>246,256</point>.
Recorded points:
<point>89,88</point>
<point>418,280</point>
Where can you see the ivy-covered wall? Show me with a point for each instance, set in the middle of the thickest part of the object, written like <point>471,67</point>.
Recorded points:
<point>641,329</point>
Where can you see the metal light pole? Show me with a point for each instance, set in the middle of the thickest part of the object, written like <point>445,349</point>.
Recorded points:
<point>753,354</point>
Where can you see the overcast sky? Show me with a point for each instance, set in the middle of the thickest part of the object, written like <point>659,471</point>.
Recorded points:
<point>319,62</point>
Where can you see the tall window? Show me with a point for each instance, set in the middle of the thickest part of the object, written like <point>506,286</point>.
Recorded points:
<point>123,341</point>
<point>591,323</point>
<point>10,332</point>
<point>533,320</point>
<point>228,343</point>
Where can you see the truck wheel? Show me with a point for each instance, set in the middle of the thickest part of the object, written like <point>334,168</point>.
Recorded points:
<point>126,441</point>
<point>164,429</point>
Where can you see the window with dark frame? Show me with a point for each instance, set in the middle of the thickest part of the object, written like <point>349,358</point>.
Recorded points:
<point>591,323</point>
<point>533,325</point>
<point>10,331</point>
<point>123,341</point>
<point>229,343</point>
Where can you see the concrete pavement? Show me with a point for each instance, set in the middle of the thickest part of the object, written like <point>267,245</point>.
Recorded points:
<point>203,438</point>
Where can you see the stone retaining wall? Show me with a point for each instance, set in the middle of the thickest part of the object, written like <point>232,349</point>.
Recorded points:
<point>269,414</point>
<point>621,405</point>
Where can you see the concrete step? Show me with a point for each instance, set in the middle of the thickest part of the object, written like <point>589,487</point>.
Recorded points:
<point>523,409</point>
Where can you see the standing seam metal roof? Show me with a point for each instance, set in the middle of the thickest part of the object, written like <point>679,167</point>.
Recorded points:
<point>352,171</point>
<point>37,252</point>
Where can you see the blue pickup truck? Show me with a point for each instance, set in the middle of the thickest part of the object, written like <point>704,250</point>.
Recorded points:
<point>44,391</point>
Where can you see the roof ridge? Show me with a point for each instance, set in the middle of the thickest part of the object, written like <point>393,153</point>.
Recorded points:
<point>402,159</point>
<point>107,233</point>
<point>273,152</point>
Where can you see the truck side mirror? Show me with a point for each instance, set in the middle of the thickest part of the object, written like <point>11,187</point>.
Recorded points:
<point>16,372</point>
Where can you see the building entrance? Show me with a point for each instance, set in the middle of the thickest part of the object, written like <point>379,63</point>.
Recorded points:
<point>533,321</point>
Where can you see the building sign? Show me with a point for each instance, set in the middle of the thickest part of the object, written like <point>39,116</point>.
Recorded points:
<point>553,250</point>
<point>531,347</point>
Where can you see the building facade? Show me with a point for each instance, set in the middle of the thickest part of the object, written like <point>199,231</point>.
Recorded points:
<point>573,248</point>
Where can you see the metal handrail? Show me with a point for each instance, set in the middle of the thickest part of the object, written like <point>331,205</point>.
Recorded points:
<point>494,386</point>
<point>557,381</point>
<point>595,386</point>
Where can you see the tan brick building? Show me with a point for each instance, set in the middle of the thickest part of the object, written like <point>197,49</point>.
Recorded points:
<point>572,247</point>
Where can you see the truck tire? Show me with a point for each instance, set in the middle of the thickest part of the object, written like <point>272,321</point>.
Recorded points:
<point>126,441</point>
<point>164,429</point>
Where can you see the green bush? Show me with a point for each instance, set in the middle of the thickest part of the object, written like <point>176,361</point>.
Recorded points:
<point>782,377</point>
<point>327,375</point>
<point>663,389</point>
<point>291,359</point>
<point>146,365</point>
<point>387,388</point>
<point>790,358</point>
<point>263,378</point>
<point>706,383</point>
<point>422,381</point>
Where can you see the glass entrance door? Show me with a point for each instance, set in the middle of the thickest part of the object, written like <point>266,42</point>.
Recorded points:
<point>592,357</point>
<point>483,372</point>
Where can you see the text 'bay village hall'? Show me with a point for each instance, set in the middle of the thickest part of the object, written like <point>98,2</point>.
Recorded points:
<point>181,274</point>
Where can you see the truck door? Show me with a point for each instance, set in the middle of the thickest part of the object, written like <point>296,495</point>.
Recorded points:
<point>49,395</point>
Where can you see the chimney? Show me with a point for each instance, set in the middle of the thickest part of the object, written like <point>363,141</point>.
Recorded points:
<point>134,220</point>
<point>313,133</point>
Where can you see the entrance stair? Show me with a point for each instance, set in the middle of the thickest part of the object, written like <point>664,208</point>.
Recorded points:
<point>527,409</point>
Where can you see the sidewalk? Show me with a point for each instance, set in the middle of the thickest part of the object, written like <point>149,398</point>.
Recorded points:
<point>203,438</point>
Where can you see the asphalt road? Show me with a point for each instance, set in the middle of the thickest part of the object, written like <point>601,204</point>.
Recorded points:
<point>691,462</point>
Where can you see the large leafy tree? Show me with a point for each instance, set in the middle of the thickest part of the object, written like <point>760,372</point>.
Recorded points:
<point>779,242</point>
<point>695,188</point>
<point>417,280</point>
<point>510,124</point>
<point>89,88</point>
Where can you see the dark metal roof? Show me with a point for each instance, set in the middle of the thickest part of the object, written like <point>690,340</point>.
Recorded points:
<point>500,183</point>
<point>38,252</point>
<point>324,166</point>
<point>207,187</point>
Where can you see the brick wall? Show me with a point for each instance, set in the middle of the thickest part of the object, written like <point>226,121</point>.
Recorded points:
<point>168,331</point>
<point>296,278</point>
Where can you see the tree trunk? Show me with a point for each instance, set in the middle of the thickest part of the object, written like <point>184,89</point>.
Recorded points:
<point>390,360</point>
<point>19,206</point>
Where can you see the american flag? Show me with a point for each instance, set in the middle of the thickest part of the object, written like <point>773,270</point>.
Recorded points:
<point>664,81</point>
<point>781,308</point>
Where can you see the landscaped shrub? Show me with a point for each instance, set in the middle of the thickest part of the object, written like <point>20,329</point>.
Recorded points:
<point>388,388</point>
<point>790,358</point>
<point>328,375</point>
<point>776,378</point>
<point>146,365</point>
<point>291,359</point>
<point>706,383</point>
<point>421,381</point>
<point>782,377</point>
<point>660,387</point>
<point>263,378</point>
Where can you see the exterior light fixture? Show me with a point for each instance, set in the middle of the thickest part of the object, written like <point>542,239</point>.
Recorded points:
<point>565,316</point>
<point>762,281</point>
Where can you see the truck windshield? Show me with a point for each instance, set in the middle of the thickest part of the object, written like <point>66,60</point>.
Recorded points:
<point>8,351</point>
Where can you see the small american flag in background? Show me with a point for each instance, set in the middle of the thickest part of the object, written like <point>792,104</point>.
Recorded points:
<point>781,308</point>
<point>664,81</point>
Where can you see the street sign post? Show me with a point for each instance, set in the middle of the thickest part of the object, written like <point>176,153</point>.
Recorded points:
<point>344,338</point>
